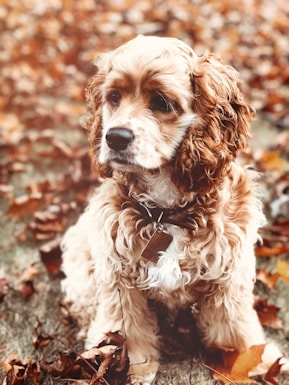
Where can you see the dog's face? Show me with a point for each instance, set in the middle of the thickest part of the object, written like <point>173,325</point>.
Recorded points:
<point>156,103</point>
<point>147,105</point>
<point>144,119</point>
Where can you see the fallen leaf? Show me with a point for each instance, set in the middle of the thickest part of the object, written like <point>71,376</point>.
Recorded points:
<point>263,251</point>
<point>272,161</point>
<point>65,365</point>
<point>273,372</point>
<point>68,322</point>
<point>4,288</point>
<point>281,228</point>
<point>104,356</point>
<point>39,338</point>
<point>39,187</point>
<point>18,370</point>
<point>282,268</point>
<point>236,366</point>
<point>107,362</point>
<point>47,224</point>
<point>267,278</point>
<point>120,363</point>
<point>25,205</point>
<point>25,288</point>
<point>50,254</point>
<point>268,314</point>
<point>30,272</point>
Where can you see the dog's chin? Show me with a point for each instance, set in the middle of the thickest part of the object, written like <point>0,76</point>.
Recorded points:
<point>125,165</point>
<point>128,165</point>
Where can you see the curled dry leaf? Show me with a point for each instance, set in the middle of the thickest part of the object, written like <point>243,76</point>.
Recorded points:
<point>25,285</point>
<point>39,338</point>
<point>108,362</point>
<point>273,372</point>
<point>104,356</point>
<point>68,322</point>
<point>64,366</point>
<point>19,371</point>
<point>121,358</point>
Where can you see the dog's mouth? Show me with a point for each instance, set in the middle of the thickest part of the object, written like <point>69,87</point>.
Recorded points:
<point>124,164</point>
<point>120,161</point>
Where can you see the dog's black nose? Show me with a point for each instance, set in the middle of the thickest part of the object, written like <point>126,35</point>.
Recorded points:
<point>119,138</point>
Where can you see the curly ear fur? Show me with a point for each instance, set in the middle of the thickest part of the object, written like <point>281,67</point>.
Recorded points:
<point>93,124</point>
<point>208,149</point>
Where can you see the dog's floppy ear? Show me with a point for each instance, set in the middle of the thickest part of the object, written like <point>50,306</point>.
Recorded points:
<point>94,97</point>
<point>222,129</point>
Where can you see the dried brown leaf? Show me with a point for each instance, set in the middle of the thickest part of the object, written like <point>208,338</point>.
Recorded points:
<point>50,254</point>
<point>268,314</point>
<point>65,365</point>
<point>265,251</point>
<point>25,288</point>
<point>17,370</point>
<point>30,272</point>
<point>282,268</point>
<point>4,288</point>
<point>273,372</point>
<point>236,366</point>
<point>25,205</point>
<point>105,363</point>
<point>267,278</point>
<point>39,338</point>
<point>47,224</point>
<point>272,161</point>
<point>281,228</point>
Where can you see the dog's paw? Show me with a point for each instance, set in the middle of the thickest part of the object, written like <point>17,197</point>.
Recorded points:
<point>142,374</point>
<point>270,355</point>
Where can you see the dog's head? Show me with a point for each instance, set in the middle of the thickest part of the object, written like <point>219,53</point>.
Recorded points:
<point>155,103</point>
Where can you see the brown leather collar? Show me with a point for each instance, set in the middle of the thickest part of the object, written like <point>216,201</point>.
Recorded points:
<point>183,216</point>
<point>176,216</point>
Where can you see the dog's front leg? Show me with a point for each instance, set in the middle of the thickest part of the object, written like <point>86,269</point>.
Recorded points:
<point>234,324</point>
<point>126,310</point>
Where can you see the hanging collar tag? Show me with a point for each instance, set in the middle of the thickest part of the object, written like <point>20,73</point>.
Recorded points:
<point>159,241</point>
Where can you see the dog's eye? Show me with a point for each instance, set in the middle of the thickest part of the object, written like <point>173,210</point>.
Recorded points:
<point>160,103</point>
<point>114,98</point>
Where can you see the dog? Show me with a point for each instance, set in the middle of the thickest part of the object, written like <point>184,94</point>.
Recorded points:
<point>176,216</point>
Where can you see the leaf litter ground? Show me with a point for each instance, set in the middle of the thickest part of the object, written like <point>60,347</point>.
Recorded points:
<point>47,49</point>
